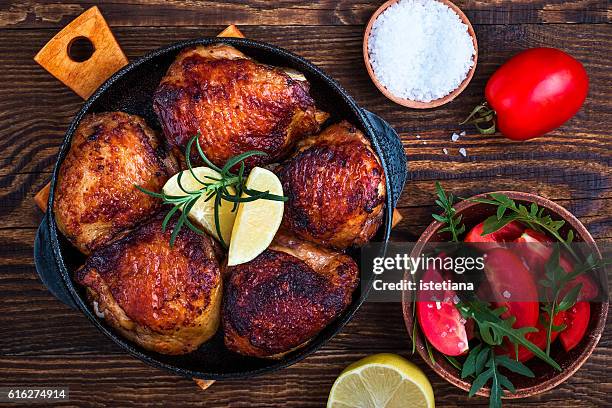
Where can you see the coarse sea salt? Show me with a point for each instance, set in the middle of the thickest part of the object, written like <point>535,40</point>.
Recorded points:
<point>420,49</point>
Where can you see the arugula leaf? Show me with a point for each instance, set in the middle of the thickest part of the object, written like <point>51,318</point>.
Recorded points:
<point>493,328</point>
<point>534,217</point>
<point>469,365</point>
<point>499,381</point>
<point>449,217</point>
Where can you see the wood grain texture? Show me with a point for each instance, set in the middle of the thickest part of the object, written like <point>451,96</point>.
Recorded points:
<point>146,13</point>
<point>43,342</point>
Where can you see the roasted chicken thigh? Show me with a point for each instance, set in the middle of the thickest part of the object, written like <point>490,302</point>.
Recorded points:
<point>236,103</point>
<point>95,198</point>
<point>167,299</point>
<point>336,188</point>
<point>286,296</point>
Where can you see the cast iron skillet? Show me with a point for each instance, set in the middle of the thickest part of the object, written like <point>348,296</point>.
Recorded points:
<point>130,90</point>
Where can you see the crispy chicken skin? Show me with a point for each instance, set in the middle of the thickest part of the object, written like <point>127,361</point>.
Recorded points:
<point>236,103</point>
<point>95,197</point>
<point>165,299</point>
<point>286,296</point>
<point>336,188</point>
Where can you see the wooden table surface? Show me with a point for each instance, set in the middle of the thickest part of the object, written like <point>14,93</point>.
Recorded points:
<point>43,342</point>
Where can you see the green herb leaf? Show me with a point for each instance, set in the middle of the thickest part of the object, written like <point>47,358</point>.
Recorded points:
<point>469,365</point>
<point>514,366</point>
<point>212,188</point>
<point>449,216</point>
<point>480,382</point>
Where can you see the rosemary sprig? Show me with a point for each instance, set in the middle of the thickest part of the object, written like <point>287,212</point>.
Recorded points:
<point>213,188</point>
<point>449,217</point>
<point>535,217</point>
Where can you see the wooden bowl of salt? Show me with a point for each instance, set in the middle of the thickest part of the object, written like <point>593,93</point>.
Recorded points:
<point>403,81</point>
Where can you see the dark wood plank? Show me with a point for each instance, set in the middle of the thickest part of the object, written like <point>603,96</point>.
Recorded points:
<point>55,14</point>
<point>45,342</point>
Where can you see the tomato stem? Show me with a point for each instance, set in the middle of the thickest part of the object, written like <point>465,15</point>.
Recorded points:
<point>482,114</point>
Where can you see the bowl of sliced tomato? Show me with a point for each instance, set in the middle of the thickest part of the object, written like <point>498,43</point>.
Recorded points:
<point>486,343</point>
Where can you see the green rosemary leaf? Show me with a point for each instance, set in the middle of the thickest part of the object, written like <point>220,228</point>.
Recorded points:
<point>209,196</point>
<point>172,211</point>
<point>217,223</point>
<point>236,159</point>
<point>192,227</point>
<point>151,193</point>
<point>180,184</point>
<point>188,157</point>
<point>217,188</point>
<point>176,230</point>
<point>202,155</point>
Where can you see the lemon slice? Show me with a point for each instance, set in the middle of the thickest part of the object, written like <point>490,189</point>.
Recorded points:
<point>202,213</point>
<point>381,381</point>
<point>257,221</point>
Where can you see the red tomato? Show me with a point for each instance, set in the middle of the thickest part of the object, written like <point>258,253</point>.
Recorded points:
<point>508,277</point>
<point>441,322</point>
<point>536,256</point>
<point>536,91</point>
<point>534,248</point>
<point>577,320</point>
<point>589,289</point>
<point>538,338</point>
<point>507,233</point>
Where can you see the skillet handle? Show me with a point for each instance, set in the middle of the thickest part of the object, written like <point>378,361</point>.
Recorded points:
<point>46,266</point>
<point>393,154</point>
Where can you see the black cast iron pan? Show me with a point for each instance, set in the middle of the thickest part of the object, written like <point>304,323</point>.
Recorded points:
<point>130,90</point>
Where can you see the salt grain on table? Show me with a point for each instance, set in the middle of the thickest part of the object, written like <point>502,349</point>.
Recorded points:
<point>454,137</point>
<point>420,50</point>
<point>463,152</point>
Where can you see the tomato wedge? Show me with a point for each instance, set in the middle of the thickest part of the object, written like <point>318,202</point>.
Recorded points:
<point>577,320</point>
<point>535,250</point>
<point>589,290</point>
<point>507,275</point>
<point>441,322</point>
<point>507,233</point>
<point>538,338</point>
<point>536,256</point>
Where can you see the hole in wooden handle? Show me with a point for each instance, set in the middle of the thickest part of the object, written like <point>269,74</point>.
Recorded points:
<point>80,49</point>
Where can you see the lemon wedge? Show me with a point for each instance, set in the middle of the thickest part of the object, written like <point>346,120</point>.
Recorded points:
<point>202,213</point>
<point>381,381</point>
<point>256,221</point>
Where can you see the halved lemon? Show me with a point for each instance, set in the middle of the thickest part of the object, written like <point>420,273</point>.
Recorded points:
<point>381,381</point>
<point>257,221</point>
<point>202,213</point>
